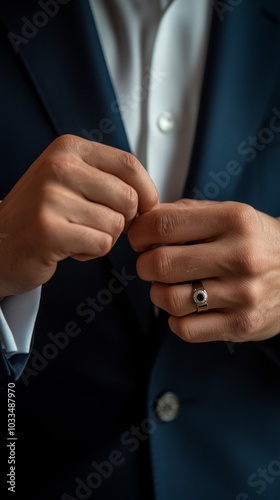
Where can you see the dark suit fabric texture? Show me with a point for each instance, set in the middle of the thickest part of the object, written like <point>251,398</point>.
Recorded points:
<point>100,358</point>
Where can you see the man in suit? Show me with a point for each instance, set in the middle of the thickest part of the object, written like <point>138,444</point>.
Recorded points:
<point>129,388</point>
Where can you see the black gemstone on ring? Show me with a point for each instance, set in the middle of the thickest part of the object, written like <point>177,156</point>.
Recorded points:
<point>200,297</point>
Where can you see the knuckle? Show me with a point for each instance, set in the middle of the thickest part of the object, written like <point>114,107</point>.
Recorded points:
<point>185,332</point>
<point>129,199</point>
<point>57,167</point>
<point>246,323</point>
<point>66,142</point>
<point>118,224</point>
<point>249,294</point>
<point>246,261</point>
<point>241,217</point>
<point>104,244</point>
<point>173,301</point>
<point>161,264</point>
<point>129,162</point>
<point>164,225</point>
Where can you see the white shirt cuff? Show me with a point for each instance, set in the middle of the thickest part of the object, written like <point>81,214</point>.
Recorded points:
<point>17,318</point>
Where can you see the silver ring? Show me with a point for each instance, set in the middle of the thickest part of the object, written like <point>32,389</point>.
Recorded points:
<point>200,296</point>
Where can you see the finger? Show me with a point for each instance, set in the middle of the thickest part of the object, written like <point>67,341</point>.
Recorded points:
<point>175,224</point>
<point>98,217</point>
<point>176,264</point>
<point>174,299</point>
<point>78,210</point>
<point>108,190</point>
<point>178,301</point>
<point>63,239</point>
<point>205,327</point>
<point>98,186</point>
<point>178,224</point>
<point>85,243</point>
<point>124,166</point>
<point>241,320</point>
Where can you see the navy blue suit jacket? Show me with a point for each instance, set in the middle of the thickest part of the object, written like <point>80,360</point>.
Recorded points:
<point>85,420</point>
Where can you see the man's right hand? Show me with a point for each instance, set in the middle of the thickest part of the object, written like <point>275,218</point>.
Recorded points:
<point>74,201</point>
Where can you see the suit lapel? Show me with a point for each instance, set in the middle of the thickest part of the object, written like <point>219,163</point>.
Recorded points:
<point>75,89</point>
<point>71,80</point>
<point>242,61</point>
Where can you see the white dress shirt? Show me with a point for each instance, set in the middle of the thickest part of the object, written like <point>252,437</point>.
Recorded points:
<point>155,51</point>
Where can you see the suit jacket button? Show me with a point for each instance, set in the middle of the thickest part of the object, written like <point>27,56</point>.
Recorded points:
<point>167,407</point>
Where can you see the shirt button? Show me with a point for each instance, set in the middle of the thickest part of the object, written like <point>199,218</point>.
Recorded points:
<point>166,122</point>
<point>167,407</point>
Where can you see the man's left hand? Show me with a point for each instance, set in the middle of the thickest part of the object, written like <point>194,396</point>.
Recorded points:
<point>232,248</point>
